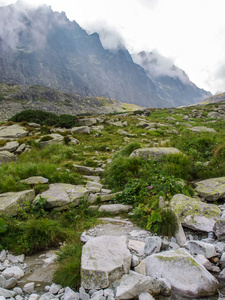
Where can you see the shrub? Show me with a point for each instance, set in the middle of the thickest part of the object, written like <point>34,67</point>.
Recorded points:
<point>45,118</point>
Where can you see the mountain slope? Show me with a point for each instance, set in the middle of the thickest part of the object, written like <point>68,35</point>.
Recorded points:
<point>44,48</point>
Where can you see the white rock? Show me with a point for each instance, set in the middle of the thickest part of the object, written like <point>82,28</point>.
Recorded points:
<point>104,259</point>
<point>6,293</point>
<point>29,288</point>
<point>199,247</point>
<point>200,258</point>
<point>70,294</point>
<point>133,284</point>
<point>33,297</point>
<point>134,261</point>
<point>183,272</point>
<point>115,208</point>
<point>54,288</point>
<point>145,296</point>
<point>137,247</point>
<point>3,256</point>
<point>16,272</point>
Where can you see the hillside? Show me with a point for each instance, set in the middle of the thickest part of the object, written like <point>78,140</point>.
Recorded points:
<point>15,98</point>
<point>215,99</point>
<point>42,47</point>
<point>147,186</point>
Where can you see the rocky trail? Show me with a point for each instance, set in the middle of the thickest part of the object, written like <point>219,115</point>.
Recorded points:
<point>120,260</point>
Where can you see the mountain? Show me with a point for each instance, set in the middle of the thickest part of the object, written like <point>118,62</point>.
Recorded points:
<point>218,98</point>
<point>42,47</point>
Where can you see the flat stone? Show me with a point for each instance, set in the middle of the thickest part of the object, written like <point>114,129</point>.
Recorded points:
<point>194,213</point>
<point>211,189</point>
<point>202,129</point>
<point>35,180</point>
<point>10,146</point>
<point>184,273</point>
<point>62,195</point>
<point>115,208</point>
<point>81,129</point>
<point>104,259</point>
<point>155,153</point>
<point>10,203</point>
<point>13,131</point>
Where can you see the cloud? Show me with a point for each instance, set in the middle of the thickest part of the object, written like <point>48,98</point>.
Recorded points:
<point>148,3</point>
<point>157,65</point>
<point>23,27</point>
<point>110,37</point>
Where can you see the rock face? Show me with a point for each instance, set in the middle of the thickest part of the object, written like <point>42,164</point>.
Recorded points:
<point>184,273</point>
<point>211,189</point>
<point>194,213</point>
<point>104,259</point>
<point>62,195</point>
<point>155,153</point>
<point>10,203</point>
<point>13,131</point>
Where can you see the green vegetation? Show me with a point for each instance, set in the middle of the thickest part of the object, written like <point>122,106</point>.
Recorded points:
<point>45,118</point>
<point>142,182</point>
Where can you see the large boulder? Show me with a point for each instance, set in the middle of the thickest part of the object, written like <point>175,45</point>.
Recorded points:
<point>11,203</point>
<point>186,276</point>
<point>211,189</point>
<point>13,131</point>
<point>104,260</point>
<point>194,213</point>
<point>133,284</point>
<point>61,195</point>
<point>6,157</point>
<point>155,153</point>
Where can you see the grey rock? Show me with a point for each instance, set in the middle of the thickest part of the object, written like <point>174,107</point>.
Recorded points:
<point>115,208</point>
<point>62,195</point>
<point>221,275</point>
<point>199,247</point>
<point>14,271</point>
<point>88,121</point>
<point>202,129</point>
<point>16,259</point>
<point>219,230</point>
<point>152,245</point>
<point>211,189</point>
<point>145,296</point>
<point>194,213</point>
<point>83,294</point>
<point>183,272</point>
<point>137,247</point>
<point>200,258</point>
<point>70,294</point>
<point>35,180</point>
<point>29,288</point>
<point>134,261</point>
<point>6,293</point>
<point>3,255</point>
<point>20,149</point>
<point>165,287</point>
<point>6,157</point>
<point>47,296</point>
<point>33,297</point>
<point>133,284</point>
<point>55,288</point>
<point>104,259</point>
<point>7,283</point>
<point>18,291</point>
<point>10,146</point>
<point>222,261</point>
<point>155,153</point>
<point>10,203</point>
<point>13,131</point>
<point>81,129</point>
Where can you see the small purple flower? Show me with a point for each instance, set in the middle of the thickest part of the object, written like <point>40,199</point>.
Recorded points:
<point>150,187</point>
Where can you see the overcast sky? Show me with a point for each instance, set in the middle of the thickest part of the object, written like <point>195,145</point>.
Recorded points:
<point>190,32</point>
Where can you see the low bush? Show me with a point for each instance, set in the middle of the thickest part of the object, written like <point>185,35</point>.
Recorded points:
<point>45,118</point>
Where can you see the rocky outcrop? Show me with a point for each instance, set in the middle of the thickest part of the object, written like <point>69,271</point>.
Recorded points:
<point>104,259</point>
<point>195,214</point>
<point>155,153</point>
<point>184,273</point>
